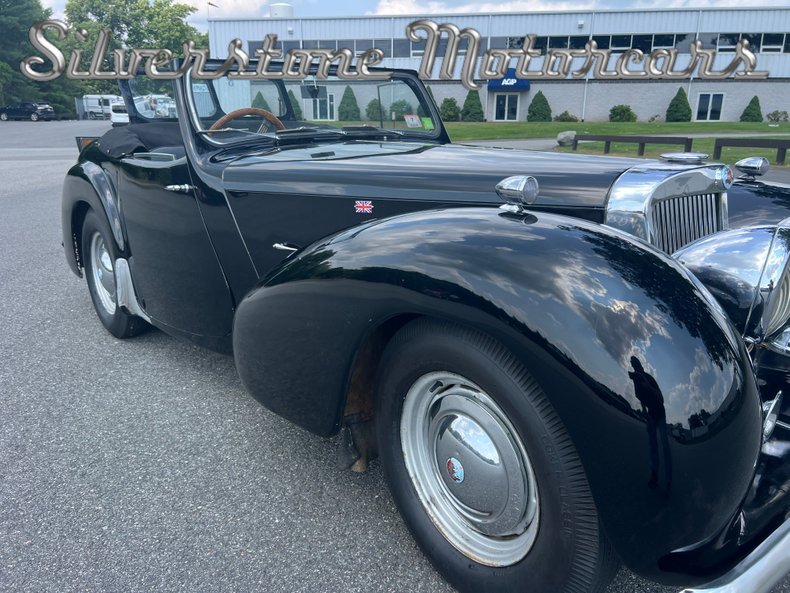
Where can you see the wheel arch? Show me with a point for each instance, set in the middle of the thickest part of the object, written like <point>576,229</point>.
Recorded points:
<point>562,295</point>
<point>88,187</point>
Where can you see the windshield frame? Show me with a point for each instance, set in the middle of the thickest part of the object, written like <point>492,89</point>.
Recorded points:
<point>409,77</point>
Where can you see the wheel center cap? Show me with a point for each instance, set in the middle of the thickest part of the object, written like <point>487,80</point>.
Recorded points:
<point>455,469</point>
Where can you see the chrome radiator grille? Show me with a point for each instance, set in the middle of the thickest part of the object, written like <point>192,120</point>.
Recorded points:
<point>675,222</point>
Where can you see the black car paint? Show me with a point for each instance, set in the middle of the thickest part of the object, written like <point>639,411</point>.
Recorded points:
<point>541,285</point>
<point>327,297</point>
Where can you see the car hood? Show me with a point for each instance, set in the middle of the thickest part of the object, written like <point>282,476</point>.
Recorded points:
<point>405,170</point>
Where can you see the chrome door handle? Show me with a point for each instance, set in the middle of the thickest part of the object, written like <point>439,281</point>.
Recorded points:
<point>184,189</point>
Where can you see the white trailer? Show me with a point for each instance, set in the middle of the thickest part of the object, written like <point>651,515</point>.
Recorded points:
<point>98,106</point>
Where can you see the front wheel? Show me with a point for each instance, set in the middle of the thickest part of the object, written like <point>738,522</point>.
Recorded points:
<point>99,256</point>
<point>34,117</point>
<point>481,468</point>
<point>3,117</point>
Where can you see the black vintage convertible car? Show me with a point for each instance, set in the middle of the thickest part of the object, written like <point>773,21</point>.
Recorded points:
<point>563,362</point>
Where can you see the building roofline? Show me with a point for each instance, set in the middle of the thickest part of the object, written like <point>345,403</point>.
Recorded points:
<point>450,15</point>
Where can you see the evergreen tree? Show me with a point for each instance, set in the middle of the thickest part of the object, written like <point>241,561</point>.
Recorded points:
<point>450,110</point>
<point>753,111</point>
<point>349,108</point>
<point>679,108</point>
<point>473,108</point>
<point>539,109</point>
<point>297,111</point>
<point>401,107</point>
<point>374,110</point>
<point>260,102</point>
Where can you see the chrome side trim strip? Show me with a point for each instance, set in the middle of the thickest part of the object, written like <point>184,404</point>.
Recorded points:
<point>124,290</point>
<point>760,571</point>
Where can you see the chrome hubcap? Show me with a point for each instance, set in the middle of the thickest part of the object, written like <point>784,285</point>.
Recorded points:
<point>470,469</point>
<point>103,273</point>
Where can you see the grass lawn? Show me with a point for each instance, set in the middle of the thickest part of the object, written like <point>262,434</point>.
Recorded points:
<point>460,132</point>
<point>729,155</point>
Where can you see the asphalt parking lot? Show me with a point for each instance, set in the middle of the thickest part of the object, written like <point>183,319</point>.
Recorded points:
<point>142,465</point>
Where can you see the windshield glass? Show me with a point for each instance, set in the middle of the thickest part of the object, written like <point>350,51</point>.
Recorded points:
<point>227,110</point>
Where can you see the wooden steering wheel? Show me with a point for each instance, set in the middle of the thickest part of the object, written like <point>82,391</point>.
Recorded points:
<point>267,115</point>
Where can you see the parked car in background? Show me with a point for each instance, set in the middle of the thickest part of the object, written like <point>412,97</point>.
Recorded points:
<point>31,111</point>
<point>568,362</point>
<point>119,116</point>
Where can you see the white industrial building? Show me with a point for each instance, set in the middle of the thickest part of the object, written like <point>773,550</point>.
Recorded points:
<point>767,29</point>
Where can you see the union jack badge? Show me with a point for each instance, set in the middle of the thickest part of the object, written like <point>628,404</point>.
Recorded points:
<point>363,207</point>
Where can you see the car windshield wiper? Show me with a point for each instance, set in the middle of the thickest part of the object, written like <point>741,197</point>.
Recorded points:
<point>220,130</point>
<point>309,132</point>
<point>370,131</point>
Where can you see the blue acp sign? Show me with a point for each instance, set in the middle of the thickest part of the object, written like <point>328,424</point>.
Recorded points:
<point>509,82</point>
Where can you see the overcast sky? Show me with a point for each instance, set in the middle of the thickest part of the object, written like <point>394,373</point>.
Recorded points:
<point>258,8</point>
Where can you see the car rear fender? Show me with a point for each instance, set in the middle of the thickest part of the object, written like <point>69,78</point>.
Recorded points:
<point>577,303</point>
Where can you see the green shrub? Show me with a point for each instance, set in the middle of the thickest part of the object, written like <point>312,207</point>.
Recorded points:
<point>566,116</point>
<point>349,108</point>
<point>752,111</point>
<point>776,116</point>
<point>373,110</point>
<point>450,110</point>
<point>400,107</point>
<point>679,108</point>
<point>473,108</point>
<point>295,105</point>
<point>622,113</point>
<point>539,109</point>
<point>260,103</point>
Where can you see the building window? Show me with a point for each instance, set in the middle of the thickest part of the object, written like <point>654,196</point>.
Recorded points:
<point>643,42</point>
<point>664,41</point>
<point>558,42</point>
<point>772,43</point>
<point>384,45</point>
<point>401,48</point>
<point>753,39</point>
<point>578,41</point>
<point>621,42</point>
<point>506,107</point>
<point>727,42</point>
<point>602,41</point>
<point>683,42</point>
<point>709,106</point>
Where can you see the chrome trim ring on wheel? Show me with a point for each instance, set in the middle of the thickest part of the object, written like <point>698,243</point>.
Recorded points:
<point>470,469</point>
<point>103,273</point>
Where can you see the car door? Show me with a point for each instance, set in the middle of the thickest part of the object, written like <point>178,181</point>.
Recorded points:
<point>174,266</point>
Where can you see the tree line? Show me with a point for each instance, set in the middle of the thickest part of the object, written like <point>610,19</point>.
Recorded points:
<point>134,23</point>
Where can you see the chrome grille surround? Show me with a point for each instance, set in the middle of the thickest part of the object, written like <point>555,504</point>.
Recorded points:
<point>667,204</point>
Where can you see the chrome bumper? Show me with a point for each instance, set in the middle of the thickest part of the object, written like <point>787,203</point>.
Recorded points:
<point>760,571</point>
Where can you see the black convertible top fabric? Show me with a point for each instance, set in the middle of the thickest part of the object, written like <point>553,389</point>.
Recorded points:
<point>125,140</point>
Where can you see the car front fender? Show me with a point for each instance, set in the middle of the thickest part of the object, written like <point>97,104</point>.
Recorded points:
<point>88,183</point>
<point>578,303</point>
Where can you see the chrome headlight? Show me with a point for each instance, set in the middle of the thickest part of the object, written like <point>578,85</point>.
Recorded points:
<point>747,271</point>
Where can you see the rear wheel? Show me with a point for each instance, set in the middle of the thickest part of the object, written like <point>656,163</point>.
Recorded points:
<point>482,469</point>
<point>34,117</point>
<point>99,256</point>
<point>3,117</point>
